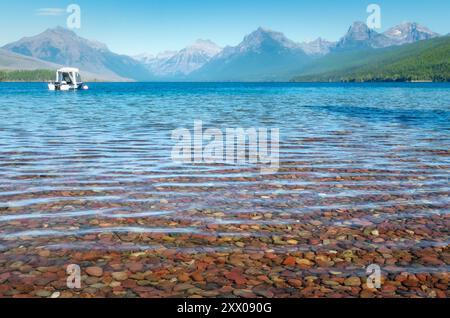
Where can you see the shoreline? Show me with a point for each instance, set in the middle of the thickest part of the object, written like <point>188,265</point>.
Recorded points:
<point>244,82</point>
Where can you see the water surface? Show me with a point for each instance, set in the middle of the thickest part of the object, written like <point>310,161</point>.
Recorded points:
<point>353,156</point>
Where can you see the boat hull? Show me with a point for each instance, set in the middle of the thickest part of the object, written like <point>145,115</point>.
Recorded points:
<point>66,87</point>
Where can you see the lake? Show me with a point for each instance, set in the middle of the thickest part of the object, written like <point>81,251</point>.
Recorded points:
<point>88,178</point>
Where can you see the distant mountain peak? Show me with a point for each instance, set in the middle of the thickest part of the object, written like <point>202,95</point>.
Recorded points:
<point>412,25</point>
<point>359,24</point>
<point>263,54</point>
<point>166,54</point>
<point>409,32</point>
<point>202,42</point>
<point>64,35</point>
<point>408,23</point>
<point>262,36</point>
<point>205,46</point>
<point>360,31</point>
<point>170,64</point>
<point>359,35</point>
<point>261,31</point>
<point>319,46</point>
<point>59,30</point>
<point>62,46</point>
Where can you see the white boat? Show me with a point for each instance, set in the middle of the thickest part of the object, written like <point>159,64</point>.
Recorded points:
<point>67,78</point>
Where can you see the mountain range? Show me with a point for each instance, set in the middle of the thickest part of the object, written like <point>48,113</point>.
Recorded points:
<point>360,36</point>
<point>263,55</point>
<point>427,60</point>
<point>179,64</point>
<point>63,47</point>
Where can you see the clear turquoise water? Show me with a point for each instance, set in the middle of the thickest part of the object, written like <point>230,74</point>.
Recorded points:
<point>111,147</point>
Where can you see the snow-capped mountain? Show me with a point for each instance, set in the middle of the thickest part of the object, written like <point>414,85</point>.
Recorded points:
<point>263,38</point>
<point>263,54</point>
<point>360,36</point>
<point>317,47</point>
<point>207,47</point>
<point>181,63</point>
<point>148,58</point>
<point>409,33</point>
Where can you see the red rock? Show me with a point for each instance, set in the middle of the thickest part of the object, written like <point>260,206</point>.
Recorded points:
<point>89,256</point>
<point>183,277</point>
<point>388,288</point>
<point>201,266</point>
<point>4,277</point>
<point>353,281</point>
<point>263,278</point>
<point>264,293</point>
<point>314,241</point>
<point>238,278</point>
<point>422,277</point>
<point>44,253</point>
<point>182,287</point>
<point>441,294</point>
<point>304,262</point>
<point>367,294</point>
<point>129,283</point>
<point>256,257</point>
<point>120,276</point>
<point>442,286</point>
<point>432,260</point>
<point>270,256</point>
<point>94,271</point>
<point>401,278</point>
<point>295,283</point>
<point>197,277</point>
<point>4,288</point>
<point>135,267</point>
<point>411,282</point>
<point>290,261</point>
<point>226,289</point>
<point>243,293</point>
<point>213,226</point>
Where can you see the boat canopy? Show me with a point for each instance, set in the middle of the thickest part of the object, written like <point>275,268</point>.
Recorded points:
<point>69,75</point>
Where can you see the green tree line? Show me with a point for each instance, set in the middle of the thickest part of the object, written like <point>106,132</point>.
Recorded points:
<point>26,76</point>
<point>422,61</point>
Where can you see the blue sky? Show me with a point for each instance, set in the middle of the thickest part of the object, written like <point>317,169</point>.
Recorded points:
<point>132,27</point>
